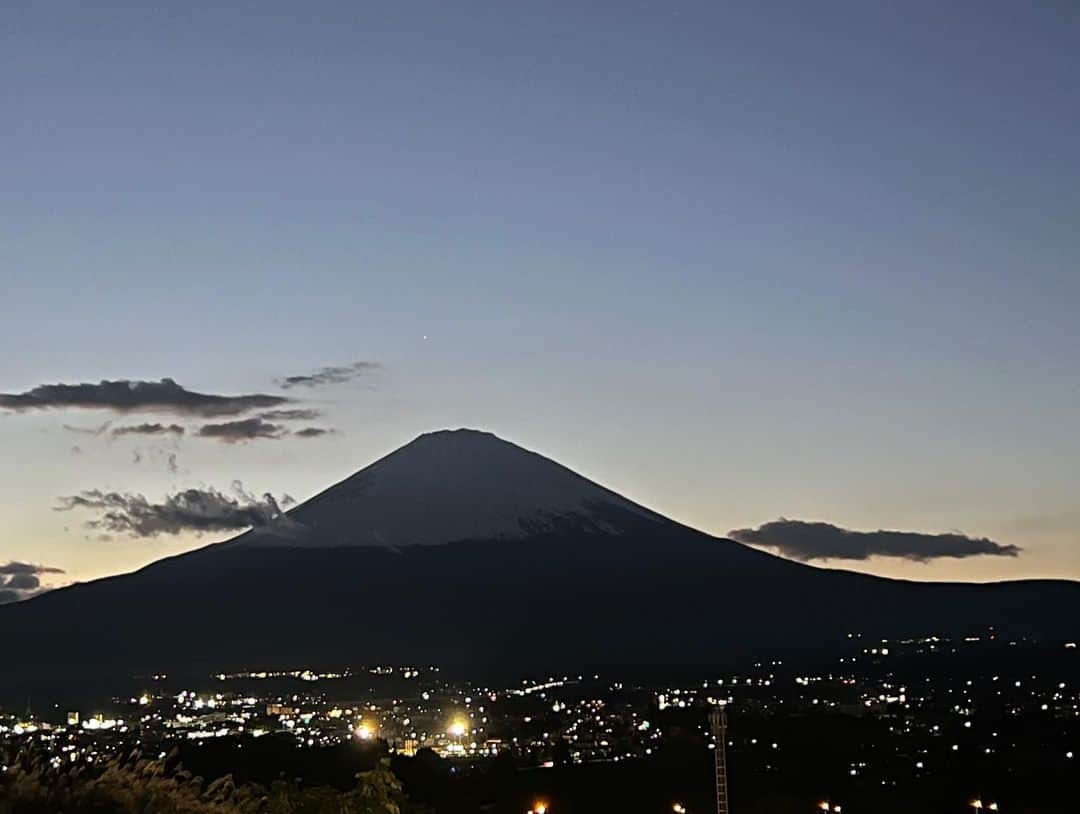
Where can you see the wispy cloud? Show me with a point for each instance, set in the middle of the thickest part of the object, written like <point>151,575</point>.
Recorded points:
<point>95,431</point>
<point>147,429</point>
<point>300,414</point>
<point>190,510</point>
<point>313,432</point>
<point>14,567</point>
<point>806,541</point>
<point>127,396</point>
<point>248,429</point>
<point>330,375</point>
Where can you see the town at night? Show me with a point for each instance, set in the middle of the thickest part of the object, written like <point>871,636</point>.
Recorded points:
<point>924,724</point>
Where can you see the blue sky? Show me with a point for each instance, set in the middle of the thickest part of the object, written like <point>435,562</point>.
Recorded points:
<point>737,261</point>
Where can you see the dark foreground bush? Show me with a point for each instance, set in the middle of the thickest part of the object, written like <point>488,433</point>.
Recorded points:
<point>37,783</point>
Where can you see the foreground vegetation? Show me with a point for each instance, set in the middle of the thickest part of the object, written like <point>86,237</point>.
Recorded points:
<point>136,784</point>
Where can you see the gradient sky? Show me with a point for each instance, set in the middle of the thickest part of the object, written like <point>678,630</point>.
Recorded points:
<point>735,261</point>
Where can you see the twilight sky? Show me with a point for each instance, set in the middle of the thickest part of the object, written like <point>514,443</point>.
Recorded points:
<point>736,261</point>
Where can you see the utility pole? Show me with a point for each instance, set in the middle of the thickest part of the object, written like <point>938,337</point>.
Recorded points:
<point>718,723</point>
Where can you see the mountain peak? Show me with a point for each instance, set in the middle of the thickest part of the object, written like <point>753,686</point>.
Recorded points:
<point>461,433</point>
<point>449,486</point>
<point>462,439</point>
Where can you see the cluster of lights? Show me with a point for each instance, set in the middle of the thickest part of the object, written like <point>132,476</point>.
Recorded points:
<point>303,675</point>
<point>601,727</point>
<point>94,724</point>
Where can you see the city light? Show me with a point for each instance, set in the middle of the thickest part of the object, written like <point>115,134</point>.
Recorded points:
<point>595,723</point>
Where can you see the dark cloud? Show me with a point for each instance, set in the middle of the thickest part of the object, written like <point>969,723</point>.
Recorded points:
<point>191,510</point>
<point>312,432</point>
<point>22,580</point>
<point>822,541</point>
<point>147,429</point>
<point>290,415</point>
<point>88,430</point>
<point>248,429</point>
<point>14,568</point>
<point>125,396</point>
<point>330,375</point>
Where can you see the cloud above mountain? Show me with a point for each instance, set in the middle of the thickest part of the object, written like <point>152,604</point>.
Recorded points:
<point>21,580</point>
<point>329,375</point>
<point>248,429</point>
<point>95,431</point>
<point>298,414</point>
<point>805,541</point>
<point>128,396</point>
<point>190,510</point>
<point>125,396</point>
<point>147,429</point>
<point>15,568</point>
<point>312,432</point>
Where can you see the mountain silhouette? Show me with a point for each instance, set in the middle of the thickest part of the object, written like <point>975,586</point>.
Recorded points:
<point>466,551</point>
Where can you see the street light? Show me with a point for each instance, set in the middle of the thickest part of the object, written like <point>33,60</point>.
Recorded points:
<point>977,804</point>
<point>678,808</point>
<point>363,732</point>
<point>824,805</point>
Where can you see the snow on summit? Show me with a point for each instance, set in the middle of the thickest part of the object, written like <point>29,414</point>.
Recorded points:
<point>449,486</point>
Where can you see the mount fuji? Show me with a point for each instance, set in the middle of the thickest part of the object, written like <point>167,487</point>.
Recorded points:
<point>452,486</point>
<point>464,550</point>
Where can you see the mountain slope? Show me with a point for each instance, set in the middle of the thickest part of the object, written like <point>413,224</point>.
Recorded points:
<point>439,553</point>
<point>449,486</point>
